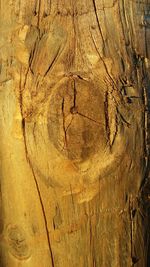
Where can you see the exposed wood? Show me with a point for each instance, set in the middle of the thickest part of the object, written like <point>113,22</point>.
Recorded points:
<point>74,145</point>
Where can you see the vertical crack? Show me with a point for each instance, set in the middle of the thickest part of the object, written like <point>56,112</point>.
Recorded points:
<point>31,57</point>
<point>32,170</point>
<point>73,204</point>
<point>75,93</point>
<point>42,206</point>
<point>32,54</point>
<point>96,15</point>
<point>107,118</point>
<point>74,41</point>
<point>131,226</point>
<point>64,128</point>
<point>145,127</point>
<point>93,261</point>
<point>132,212</point>
<point>39,11</point>
<point>116,131</point>
<point>113,85</point>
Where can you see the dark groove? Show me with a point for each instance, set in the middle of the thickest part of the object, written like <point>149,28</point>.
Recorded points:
<point>30,165</point>
<point>72,198</point>
<point>96,15</point>
<point>32,54</point>
<point>43,211</point>
<point>75,93</point>
<point>113,83</point>
<point>63,114</point>
<point>107,117</point>
<point>69,124</point>
<point>39,11</point>
<point>123,119</point>
<point>52,63</point>
<point>116,132</point>
<point>88,118</point>
<point>131,230</point>
<point>123,21</point>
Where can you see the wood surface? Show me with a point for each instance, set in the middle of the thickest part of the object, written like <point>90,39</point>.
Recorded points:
<point>74,154</point>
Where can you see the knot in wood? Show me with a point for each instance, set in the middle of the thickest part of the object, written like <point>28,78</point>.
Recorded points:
<point>76,119</point>
<point>17,241</point>
<point>73,110</point>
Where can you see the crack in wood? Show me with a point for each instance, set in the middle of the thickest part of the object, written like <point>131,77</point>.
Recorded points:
<point>75,94</point>
<point>123,119</point>
<point>38,191</point>
<point>87,117</point>
<point>131,230</point>
<point>72,198</point>
<point>31,57</point>
<point>112,82</point>
<point>53,61</point>
<point>64,128</point>
<point>116,131</point>
<point>39,11</point>
<point>33,173</point>
<point>97,19</point>
<point>107,118</point>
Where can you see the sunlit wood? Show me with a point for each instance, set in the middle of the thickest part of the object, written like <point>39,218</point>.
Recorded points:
<point>74,83</point>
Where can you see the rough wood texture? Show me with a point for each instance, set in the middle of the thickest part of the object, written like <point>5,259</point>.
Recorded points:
<point>73,142</point>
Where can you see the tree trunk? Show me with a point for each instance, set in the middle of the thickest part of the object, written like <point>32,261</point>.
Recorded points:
<point>73,142</point>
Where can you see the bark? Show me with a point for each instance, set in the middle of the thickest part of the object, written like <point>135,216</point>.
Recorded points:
<point>74,148</point>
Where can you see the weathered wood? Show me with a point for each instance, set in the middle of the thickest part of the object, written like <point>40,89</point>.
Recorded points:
<point>74,142</point>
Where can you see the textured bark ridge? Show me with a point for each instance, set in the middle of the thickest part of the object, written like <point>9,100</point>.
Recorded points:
<point>74,90</point>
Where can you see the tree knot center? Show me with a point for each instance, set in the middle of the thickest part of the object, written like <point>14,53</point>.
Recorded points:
<point>73,110</point>
<point>77,137</point>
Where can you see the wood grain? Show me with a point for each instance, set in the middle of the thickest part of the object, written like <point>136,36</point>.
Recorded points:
<point>74,142</point>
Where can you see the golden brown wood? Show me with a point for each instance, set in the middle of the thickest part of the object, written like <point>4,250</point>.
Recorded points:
<point>74,142</point>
